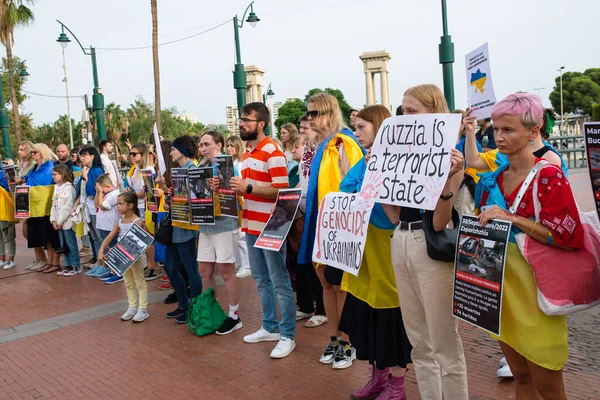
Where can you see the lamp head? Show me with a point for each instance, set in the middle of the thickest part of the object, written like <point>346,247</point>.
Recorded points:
<point>63,39</point>
<point>270,94</point>
<point>23,73</point>
<point>252,19</point>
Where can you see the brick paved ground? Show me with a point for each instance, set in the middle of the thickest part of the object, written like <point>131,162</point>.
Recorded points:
<point>106,358</point>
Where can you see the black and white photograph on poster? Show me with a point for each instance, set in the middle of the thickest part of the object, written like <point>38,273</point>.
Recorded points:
<point>278,226</point>
<point>591,131</point>
<point>127,250</point>
<point>227,197</point>
<point>180,209</point>
<point>151,201</point>
<point>22,201</point>
<point>202,202</point>
<point>479,272</point>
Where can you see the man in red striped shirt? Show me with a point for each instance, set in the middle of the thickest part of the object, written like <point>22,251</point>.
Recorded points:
<point>264,172</point>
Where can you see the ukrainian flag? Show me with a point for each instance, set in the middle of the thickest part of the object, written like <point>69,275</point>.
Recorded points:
<point>42,189</point>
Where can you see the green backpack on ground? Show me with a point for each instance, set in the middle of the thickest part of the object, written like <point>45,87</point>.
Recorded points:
<point>205,315</point>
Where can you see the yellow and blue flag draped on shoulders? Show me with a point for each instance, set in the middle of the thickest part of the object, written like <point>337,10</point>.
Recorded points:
<point>42,189</point>
<point>7,201</point>
<point>376,282</point>
<point>325,178</point>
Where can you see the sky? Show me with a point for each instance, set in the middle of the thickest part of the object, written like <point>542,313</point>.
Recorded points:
<point>300,45</point>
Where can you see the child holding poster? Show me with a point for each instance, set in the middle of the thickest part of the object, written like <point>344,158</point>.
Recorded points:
<point>425,285</point>
<point>127,205</point>
<point>371,316</point>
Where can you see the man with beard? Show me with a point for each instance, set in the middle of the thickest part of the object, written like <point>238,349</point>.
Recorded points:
<point>106,149</point>
<point>264,172</point>
<point>64,157</point>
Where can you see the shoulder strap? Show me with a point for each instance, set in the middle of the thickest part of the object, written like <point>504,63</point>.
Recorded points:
<point>526,184</point>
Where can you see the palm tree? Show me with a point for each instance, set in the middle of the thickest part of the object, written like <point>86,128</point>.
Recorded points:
<point>115,120</point>
<point>153,7</point>
<point>12,14</point>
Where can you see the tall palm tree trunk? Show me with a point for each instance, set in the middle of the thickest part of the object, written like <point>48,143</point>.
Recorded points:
<point>153,6</point>
<point>13,93</point>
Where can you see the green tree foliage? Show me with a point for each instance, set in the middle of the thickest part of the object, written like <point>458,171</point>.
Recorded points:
<point>338,95</point>
<point>290,112</point>
<point>19,81</point>
<point>596,112</point>
<point>580,91</point>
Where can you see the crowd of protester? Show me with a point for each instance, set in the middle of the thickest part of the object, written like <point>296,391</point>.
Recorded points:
<point>394,314</point>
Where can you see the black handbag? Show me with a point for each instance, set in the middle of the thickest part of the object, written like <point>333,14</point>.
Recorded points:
<point>164,232</point>
<point>441,246</point>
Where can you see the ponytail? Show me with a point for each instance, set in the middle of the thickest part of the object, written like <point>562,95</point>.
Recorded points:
<point>131,198</point>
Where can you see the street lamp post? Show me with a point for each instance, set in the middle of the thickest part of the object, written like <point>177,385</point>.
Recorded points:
<point>539,90</point>
<point>64,41</point>
<point>97,97</point>
<point>270,95</point>
<point>446,50</point>
<point>562,115</point>
<point>239,75</point>
<point>4,121</point>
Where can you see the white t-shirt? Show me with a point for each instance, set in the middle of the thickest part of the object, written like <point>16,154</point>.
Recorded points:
<point>89,204</point>
<point>109,169</point>
<point>106,219</point>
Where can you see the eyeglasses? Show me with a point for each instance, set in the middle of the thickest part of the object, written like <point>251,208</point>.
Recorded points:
<point>133,154</point>
<point>34,151</point>
<point>315,113</point>
<point>246,120</point>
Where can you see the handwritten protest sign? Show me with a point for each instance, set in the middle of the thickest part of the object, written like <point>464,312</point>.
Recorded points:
<point>410,160</point>
<point>481,96</point>
<point>342,231</point>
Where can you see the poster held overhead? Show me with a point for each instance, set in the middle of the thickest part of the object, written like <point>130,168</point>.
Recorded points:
<point>591,131</point>
<point>342,227</point>
<point>128,250</point>
<point>227,197</point>
<point>278,226</point>
<point>410,160</point>
<point>202,202</point>
<point>479,272</point>
<point>22,198</point>
<point>180,207</point>
<point>151,201</point>
<point>480,89</point>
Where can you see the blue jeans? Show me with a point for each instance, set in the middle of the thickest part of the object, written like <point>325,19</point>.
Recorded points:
<point>103,235</point>
<point>68,241</point>
<point>184,253</point>
<point>272,278</point>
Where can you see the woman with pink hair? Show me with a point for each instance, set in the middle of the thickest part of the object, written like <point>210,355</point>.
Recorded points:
<point>535,344</point>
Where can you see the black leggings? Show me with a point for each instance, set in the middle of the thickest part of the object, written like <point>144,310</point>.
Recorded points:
<point>308,287</point>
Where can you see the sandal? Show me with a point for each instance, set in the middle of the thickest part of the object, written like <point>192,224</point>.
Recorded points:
<point>44,268</point>
<point>315,320</point>
<point>302,315</point>
<point>53,268</point>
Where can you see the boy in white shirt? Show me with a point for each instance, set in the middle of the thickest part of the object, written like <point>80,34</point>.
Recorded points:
<point>107,216</point>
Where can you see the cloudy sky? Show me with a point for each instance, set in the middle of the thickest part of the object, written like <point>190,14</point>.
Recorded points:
<point>301,45</point>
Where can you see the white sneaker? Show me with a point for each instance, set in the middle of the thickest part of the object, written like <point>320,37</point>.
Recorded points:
<point>129,314</point>
<point>503,362</point>
<point>3,263</point>
<point>9,265</point>
<point>284,348</point>
<point>504,372</point>
<point>141,315</point>
<point>261,335</point>
<point>243,272</point>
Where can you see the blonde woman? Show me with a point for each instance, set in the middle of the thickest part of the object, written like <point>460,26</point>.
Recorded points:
<point>236,148</point>
<point>26,162</point>
<point>287,134</point>
<point>425,285</point>
<point>338,152</point>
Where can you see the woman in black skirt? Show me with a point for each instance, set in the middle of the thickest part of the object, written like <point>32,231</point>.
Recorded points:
<point>371,314</point>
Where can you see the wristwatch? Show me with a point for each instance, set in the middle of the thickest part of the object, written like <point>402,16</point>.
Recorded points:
<point>446,196</point>
<point>249,189</point>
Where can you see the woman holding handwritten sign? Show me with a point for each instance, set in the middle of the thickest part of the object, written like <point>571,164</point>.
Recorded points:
<point>425,285</point>
<point>334,158</point>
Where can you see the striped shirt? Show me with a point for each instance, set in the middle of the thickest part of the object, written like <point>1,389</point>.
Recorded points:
<point>263,166</point>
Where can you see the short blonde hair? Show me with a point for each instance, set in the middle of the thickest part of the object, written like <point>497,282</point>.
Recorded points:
<point>45,152</point>
<point>430,96</point>
<point>329,110</point>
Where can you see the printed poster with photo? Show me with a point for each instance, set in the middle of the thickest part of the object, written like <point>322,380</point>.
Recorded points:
<point>479,272</point>
<point>202,201</point>
<point>180,207</point>
<point>128,250</point>
<point>342,227</point>
<point>227,197</point>
<point>591,131</point>
<point>278,226</point>
<point>22,199</point>
<point>151,201</point>
<point>10,172</point>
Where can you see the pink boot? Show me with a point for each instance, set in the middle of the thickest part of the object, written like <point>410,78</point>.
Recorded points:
<point>377,384</point>
<point>394,389</point>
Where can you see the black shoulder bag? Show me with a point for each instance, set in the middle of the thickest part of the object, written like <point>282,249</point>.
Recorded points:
<point>164,232</point>
<point>441,246</point>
